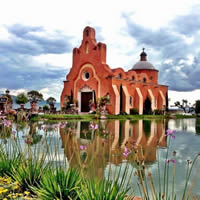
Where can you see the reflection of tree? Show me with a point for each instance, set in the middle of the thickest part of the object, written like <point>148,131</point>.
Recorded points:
<point>33,136</point>
<point>5,133</point>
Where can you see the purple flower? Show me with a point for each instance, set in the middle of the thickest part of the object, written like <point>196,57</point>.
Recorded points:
<point>93,126</point>
<point>171,160</point>
<point>13,132</point>
<point>170,133</point>
<point>7,123</point>
<point>82,147</point>
<point>126,152</point>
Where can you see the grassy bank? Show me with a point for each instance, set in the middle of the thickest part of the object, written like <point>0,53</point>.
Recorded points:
<point>120,117</point>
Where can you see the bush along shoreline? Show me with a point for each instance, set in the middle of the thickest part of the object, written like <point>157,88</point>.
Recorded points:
<point>40,172</point>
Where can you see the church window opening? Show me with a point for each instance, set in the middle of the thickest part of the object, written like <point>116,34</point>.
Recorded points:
<point>119,76</point>
<point>144,80</point>
<point>86,75</point>
<point>132,78</point>
<point>151,78</point>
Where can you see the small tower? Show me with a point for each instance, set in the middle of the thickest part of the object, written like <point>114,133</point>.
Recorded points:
<point>143,55</point>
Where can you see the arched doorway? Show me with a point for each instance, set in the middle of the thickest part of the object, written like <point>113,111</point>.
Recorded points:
<point>85,96</point>
<point>147,106</point>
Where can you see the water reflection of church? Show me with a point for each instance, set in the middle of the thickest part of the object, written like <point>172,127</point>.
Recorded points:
<point>108,145</point>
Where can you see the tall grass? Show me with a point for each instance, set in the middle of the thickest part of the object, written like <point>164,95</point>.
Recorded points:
<point>166,178</point>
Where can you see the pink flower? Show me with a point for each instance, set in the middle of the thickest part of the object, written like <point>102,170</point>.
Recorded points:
<point>170,133</point>
<point>93,126</point>
<point>82,147</point>
<point>55,126</point>
<point>62,125</point>
<point>126,152</point>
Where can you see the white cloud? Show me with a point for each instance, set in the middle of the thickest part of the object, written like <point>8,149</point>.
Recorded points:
<point>191,96</point>
<point>70,18</point>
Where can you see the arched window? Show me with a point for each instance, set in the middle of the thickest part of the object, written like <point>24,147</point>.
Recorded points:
<point>132,78</point>
<point>151,77</point>
<point>119,76</point>
<point>144,80</point>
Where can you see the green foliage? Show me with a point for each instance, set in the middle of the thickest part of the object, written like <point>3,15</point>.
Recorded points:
<point>59,184</point>
<point>51,100</point>
<point>21,98</point>
<point>9,158</point>
<point>30,171</point>
<point>45,107</point>
<point>197,107</point>
<point>158,112</point>
<point>104,100</point>
<point>110,188</point>
<point>34,96</point>
<point>103,189</point>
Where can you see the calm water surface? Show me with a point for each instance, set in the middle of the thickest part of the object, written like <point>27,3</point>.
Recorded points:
<point>96,150</point>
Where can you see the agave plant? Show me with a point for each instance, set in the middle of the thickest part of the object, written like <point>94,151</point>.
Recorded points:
<point>59,184</point>
<point>114,187</point>
<point>102,190</point>
<point>10,158</point>
<point>30,171</point>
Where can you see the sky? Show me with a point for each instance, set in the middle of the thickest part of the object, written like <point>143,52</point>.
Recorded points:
<point>37,38</point>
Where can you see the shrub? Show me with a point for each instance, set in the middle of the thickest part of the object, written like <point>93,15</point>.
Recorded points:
<point>158,112</point>
<point>134,111</point>
<point>45,107</point>
<point>197,107</point>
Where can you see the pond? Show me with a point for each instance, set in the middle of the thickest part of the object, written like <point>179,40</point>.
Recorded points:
<point>98,146</point>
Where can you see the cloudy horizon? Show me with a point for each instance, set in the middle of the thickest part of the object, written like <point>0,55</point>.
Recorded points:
<point>37,38</point>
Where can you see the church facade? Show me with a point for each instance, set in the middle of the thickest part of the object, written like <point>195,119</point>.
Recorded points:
<point>91,78</point>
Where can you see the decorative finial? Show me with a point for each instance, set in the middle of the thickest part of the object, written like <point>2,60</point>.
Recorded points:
<point>143,55</point>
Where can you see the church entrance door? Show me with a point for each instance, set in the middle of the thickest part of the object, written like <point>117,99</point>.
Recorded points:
<point>85,101</point>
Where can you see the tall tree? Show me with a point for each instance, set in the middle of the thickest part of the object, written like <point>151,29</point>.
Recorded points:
<point>21,98</point>
<point>51,101</point>
<point>34,96</point>
<point>185,106</point>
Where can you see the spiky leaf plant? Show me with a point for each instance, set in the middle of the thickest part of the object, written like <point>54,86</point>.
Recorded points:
<point>59,183</point>
<point>30,171</point>
<point>10,158</point>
